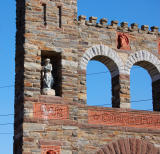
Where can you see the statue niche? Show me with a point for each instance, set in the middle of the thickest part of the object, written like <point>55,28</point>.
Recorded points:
<point>47,78</point>
<point>123,42</point>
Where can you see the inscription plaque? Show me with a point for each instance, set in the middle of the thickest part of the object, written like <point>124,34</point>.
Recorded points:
<point>50,111</point>
<point>128,119</point>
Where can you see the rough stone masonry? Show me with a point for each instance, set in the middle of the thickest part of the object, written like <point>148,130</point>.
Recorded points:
<point>64,124</point>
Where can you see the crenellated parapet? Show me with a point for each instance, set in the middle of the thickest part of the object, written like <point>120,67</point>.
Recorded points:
<point>123,27</point>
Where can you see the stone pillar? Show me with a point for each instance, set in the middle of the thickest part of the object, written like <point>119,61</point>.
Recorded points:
<point>156,95</point>
<point>115,91</point>
<point>124,91</point>
<point>121,91</point>
<point>82,94</point>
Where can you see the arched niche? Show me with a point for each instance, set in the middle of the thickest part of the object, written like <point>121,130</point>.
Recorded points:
<point>151,63</point>
<point>111,60</point>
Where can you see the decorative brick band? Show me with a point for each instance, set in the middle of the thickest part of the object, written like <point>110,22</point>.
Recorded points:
<point>127,119</point>
<point>101,50</point>
<point>50,111</point>
<point>50,149</point>
<point>147,60</point>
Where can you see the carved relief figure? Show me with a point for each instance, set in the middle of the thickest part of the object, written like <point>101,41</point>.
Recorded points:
<point>51,152</point>
<point>123,42</point>
<point>47,78</point>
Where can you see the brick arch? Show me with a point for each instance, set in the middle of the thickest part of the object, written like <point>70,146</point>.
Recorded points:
<point>50,152</point>
<point>105,55</point>
<point>129,146</point>
<point>146,60</point>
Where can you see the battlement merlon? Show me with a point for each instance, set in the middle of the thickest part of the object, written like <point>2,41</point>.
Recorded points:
<point>114,25</point>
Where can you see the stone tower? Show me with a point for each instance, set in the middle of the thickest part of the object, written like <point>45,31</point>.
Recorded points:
<point>64,124</point>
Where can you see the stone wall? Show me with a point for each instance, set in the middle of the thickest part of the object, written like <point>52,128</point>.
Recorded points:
<point>50,29</point>
<point>78,129</point>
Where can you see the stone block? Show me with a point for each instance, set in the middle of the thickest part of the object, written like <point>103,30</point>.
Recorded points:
<point>114,23</point>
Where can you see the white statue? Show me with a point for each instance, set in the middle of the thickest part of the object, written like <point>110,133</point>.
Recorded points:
<point>47,78</point>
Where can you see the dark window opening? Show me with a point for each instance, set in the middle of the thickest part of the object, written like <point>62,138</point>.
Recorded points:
<point>60,16</point>
<point>44,14</point>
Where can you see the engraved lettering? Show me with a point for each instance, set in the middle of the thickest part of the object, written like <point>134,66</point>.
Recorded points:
<point>96,117</point>
<point>127,119</point>
<point>50,111</point>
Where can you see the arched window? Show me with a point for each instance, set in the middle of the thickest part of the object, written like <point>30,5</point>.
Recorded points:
<point>109,58</point>
<point>113,69</point>
<point>151,63</point>
<point>140,89</point>
<point>98,84</point>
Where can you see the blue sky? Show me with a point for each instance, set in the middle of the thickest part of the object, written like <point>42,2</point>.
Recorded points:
<point>145,12</point>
